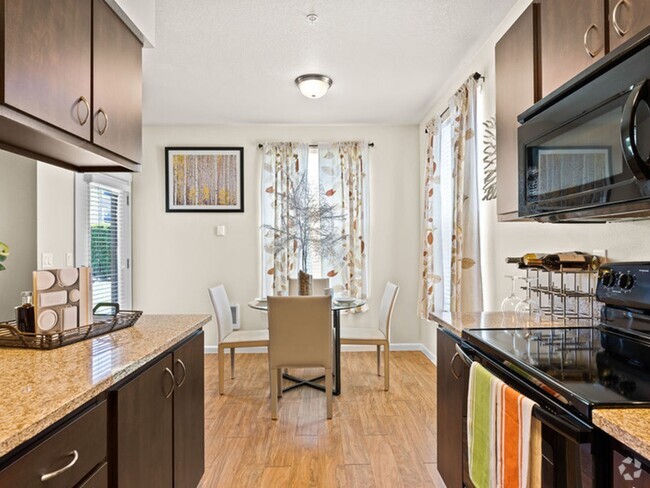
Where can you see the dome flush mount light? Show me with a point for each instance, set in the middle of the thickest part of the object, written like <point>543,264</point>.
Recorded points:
<point>313,85</point>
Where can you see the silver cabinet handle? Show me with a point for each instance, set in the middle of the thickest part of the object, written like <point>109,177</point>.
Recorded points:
<point>621,32</point>
<point>182,364</point>
<point>54,474</point>
<point>585,41</point>
<point>83,120</point>
<point>171,375</point>
<point>100,131</point>
<point>451,365</point>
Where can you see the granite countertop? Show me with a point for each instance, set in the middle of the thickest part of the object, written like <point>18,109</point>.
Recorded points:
<point>629,426</point>
<point>38,388</point>
<point>456,322</point>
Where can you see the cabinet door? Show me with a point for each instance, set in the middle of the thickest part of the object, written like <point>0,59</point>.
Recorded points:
<point>572,38</point>
<point>142,435</point>
<point>189,413</point>
<point>517,88</point>
<point>627,18</point>
<point>451,405</point>
<point>47,63</point>
<point>117,85</point>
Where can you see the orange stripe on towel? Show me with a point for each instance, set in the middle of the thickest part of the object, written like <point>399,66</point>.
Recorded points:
<point>511,448</point>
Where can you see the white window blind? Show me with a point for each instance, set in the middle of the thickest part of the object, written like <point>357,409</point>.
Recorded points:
<point>104,237</point>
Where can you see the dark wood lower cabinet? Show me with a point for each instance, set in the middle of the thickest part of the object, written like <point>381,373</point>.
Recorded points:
<point>452,381</point>
<point>157,425</point>
<point>189,413</point>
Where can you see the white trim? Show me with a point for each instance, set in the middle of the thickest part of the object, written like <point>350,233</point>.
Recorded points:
<point>404,346</point>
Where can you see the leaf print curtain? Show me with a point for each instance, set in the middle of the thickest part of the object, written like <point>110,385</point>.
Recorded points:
<point>343,178</point>
<point>466,293</point>
<point>283,165</point>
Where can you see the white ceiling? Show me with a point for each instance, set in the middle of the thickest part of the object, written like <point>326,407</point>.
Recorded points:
<point>234,61</point>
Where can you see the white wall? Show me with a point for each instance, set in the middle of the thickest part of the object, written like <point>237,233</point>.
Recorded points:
<point>17,228</point>
<point>623,241</point>
<point>177,256</point>
<point>55,214</point>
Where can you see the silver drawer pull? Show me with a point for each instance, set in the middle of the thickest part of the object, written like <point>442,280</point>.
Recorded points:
<point>54,474</point>
<point>171,390</point>
<point>182,364</point>
<point>585,41</point>
<point>617,27</point>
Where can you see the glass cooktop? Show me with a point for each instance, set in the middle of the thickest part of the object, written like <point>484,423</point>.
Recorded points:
<point>569,364</point>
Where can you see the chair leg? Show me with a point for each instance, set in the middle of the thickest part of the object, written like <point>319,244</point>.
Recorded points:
<point>274,394</point>
<point>232,363</point>
<point>378,360</point>
<point>279,375</point>
<point>328,391</point>
<point>221,353</point>
<point>386,366</point>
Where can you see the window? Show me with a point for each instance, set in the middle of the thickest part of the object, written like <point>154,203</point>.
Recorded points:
<point>313,177</point>
<point>446,204</point>
<point>103,235</point>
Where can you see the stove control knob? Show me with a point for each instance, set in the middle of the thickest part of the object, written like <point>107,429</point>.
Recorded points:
<point>626,281</point>
<point>608,279</point>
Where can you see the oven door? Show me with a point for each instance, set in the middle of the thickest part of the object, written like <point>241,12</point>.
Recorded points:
<point>579,158</point>
<point>570,447</point>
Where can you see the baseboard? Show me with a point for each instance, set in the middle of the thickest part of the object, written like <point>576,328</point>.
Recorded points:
<point>404,346</point>
<point>430,356</point>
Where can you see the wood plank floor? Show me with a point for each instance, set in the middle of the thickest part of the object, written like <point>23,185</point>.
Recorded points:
<point>376,438</point>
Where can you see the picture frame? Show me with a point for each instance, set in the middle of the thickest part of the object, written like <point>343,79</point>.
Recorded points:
<point>204,179</point>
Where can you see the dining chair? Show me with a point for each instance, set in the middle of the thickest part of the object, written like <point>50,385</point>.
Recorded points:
<point>380,335</point>
<point>300,336</point>
<point>318,286</point>
<point>229,338</point>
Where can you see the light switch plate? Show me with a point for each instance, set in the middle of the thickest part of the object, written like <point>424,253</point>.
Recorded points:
<point>69,259</point>
<point>600,252</point>
<point>221,230</point>
<point>47,260</point>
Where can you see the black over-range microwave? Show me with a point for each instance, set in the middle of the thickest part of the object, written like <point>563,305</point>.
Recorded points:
<point>584,150</point>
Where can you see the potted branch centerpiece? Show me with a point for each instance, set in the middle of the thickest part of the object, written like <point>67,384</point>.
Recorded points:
<point>309,225</point>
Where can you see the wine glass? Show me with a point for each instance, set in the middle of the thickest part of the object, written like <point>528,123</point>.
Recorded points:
<point>528,311</point>
<point>509,303</point>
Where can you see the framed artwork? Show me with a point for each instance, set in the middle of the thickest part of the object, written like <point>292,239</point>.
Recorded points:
<point>204,179</point>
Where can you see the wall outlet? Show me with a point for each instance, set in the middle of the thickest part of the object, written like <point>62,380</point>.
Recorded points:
<point>69,259</point>
<point>221,230</point>
<point>47,260</point>
<point>600,252</point>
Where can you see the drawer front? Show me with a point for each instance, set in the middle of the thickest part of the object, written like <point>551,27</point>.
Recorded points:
<point>99,478</point>
<point>80,446</point>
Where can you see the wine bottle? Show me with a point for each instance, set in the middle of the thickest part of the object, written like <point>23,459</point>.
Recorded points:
<point>529,260</point>
<point>570,261</point>
<point>25,313</point>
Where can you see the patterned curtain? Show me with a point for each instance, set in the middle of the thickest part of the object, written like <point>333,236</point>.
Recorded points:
<point>343,173</point>
<point>283,165</point>
<point>466,292</point>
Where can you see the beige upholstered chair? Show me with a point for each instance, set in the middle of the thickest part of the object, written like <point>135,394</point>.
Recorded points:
<point>379,336</point>
<point>229,338</point>
<point>300,336</point>
<point>318,286</point>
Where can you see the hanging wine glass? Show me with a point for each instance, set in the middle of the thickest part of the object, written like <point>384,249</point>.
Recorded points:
<point>528,311</point>
<point>509,304</point>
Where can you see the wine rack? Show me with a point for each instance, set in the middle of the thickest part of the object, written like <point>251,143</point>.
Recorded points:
<point>565,295</point>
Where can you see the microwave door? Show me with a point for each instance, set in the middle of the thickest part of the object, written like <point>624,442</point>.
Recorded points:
<point>635,131</point>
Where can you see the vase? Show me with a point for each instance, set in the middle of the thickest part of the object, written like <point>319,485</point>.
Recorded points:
<point>304,283</point>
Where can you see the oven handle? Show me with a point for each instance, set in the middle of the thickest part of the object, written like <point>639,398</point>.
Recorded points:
<point>637,165</point>
<point>562,424</point>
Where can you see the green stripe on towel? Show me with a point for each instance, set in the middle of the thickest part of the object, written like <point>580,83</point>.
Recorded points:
<point>479,413</point>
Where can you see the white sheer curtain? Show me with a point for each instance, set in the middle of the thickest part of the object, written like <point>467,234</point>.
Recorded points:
<point>460,214</point>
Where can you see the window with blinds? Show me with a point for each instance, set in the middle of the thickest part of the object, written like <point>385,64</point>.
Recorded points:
<point>104,237</point>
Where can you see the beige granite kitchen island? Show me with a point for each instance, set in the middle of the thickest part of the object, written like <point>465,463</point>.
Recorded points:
<point>39,388</point>
<point>629,426</point>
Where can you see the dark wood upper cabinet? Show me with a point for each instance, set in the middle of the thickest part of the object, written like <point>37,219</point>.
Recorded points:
<point>117,85</point>
<point>47,61</point>
<point>573,36</point>
<point>141,433</point>
<point>517,88</point>
<point>627,18</point>
<point>189,413</point>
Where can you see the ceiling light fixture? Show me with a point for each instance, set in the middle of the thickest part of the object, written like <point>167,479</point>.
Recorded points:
<point>313,85</point>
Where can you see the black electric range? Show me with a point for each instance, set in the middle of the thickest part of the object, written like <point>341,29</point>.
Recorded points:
<point>583,368</point>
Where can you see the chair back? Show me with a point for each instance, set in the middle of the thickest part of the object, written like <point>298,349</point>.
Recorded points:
<point>300,332</point>
<point>222,311</point>
<point>386,307</point>
<point>318,286</point>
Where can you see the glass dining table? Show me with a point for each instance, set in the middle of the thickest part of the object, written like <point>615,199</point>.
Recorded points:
<point>337,306</point>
